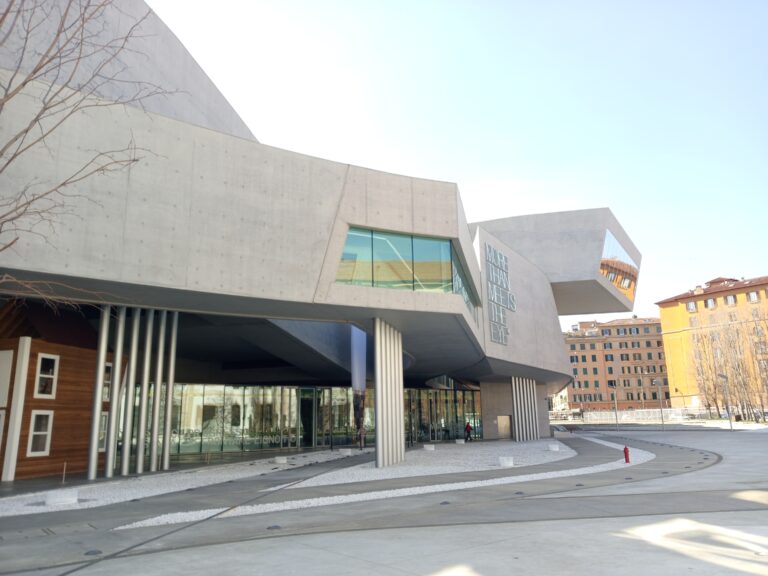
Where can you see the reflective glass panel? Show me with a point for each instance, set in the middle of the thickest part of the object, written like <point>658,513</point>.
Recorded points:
<point>392,261</point>
<point>213,418</point>
<point>432,264</point>
<point>617,265</point>
<point>191,418</point>
<point>357,259</point>
<point>253,412</point>
<point>460,284</point>
<point>233,421</point>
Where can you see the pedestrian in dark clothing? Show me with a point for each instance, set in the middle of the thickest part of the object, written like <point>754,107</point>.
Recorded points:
<point>468,432</point>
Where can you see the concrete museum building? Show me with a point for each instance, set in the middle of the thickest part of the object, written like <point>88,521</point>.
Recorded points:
<point>233,296</point>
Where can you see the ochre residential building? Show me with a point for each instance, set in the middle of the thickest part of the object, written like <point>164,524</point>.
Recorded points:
<point>717,353</point>
<point>623,358</point>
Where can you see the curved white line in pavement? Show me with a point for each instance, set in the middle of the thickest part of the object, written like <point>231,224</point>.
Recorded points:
<point>637,457</point>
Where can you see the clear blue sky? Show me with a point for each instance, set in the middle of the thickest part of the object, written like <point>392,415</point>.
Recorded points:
<point>657,109</point>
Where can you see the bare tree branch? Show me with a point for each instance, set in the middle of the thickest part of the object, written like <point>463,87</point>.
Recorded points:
<point>66,56</point>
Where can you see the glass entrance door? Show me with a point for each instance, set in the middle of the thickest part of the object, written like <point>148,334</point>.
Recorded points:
<point>308,417</point>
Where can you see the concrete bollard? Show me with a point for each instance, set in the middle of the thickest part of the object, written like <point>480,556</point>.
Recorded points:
<point>553,447</point>
<point>61,497</point>
<point>459,440</point>
<point>345,451</point>
<point>281,459</point>
<point>506,461</point>
<point>429,447</point>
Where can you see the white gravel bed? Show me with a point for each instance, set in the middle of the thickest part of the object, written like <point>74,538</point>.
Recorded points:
<point>123,490</point>
<point>448,459</point>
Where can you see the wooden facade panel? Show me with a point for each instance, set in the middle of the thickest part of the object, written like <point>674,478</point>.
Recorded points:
<point>71,412</point>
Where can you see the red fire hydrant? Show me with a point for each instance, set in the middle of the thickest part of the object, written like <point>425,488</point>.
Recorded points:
<point>626,455</point>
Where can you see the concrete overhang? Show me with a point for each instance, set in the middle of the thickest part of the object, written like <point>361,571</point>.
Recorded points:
<point>574,249</point>
<point>496,370</point>
<point>436,343</point>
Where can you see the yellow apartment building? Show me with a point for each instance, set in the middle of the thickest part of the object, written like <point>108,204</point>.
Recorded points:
<point>715,339</point>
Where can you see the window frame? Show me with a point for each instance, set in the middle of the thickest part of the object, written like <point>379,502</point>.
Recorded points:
<point>40,357</point>
<point>33,434</point>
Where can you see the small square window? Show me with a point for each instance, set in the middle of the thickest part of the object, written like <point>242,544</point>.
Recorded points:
<point>47,376</point>
<point>709,303</point>
<point>690,306</point>
<point>730,299</point>
<point>753,296</point>
<point>40,428</point>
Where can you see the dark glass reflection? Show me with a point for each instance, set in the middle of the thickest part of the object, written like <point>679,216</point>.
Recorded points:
<point>223,418</point>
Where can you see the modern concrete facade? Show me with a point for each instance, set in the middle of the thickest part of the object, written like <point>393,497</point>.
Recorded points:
<point>232,249</point>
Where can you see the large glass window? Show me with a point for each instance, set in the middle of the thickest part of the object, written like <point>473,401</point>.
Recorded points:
<point>392,261</point>
<point>432,264</point>
<point>357,259</point>
<point>401,261</point>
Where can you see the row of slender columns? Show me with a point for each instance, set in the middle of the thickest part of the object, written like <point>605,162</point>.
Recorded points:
<point>390,434</point>
<point>126,390</point>
<point>525,425</point>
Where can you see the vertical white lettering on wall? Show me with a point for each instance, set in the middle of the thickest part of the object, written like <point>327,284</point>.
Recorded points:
<point>390,435</point>
<point>500,299</point>
<point>525,426</point>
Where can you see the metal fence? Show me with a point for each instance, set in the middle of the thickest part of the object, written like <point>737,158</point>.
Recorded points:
<point>643,416</point>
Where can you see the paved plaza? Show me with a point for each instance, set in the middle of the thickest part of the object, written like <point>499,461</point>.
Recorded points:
<point>691,500</point>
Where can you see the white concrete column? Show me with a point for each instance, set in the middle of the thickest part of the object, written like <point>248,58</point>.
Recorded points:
<point>169,392</point>
<point>390,439</point>
<point>114,393</point>
<point>130,391</point>
<point>144,394</point>
<point>524,409</point>
<point>101,360</point>
<point>16,413</point>
<point>156,391</point>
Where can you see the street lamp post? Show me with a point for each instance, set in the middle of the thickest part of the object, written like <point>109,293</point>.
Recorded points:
<point>657,382</point>
<point>615,404</point>
<point>727,399</point>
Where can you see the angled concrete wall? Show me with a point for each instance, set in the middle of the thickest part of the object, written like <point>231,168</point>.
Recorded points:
<point>568,247</point>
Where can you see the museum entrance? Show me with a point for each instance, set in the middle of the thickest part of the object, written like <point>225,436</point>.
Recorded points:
<point>210,418</point>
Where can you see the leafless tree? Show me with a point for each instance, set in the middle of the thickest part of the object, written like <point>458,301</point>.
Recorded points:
<point>59,59</point>
<point>734,347</point>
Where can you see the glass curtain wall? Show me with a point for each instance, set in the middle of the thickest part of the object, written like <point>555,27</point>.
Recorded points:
<point>440,415</point>
<point>221,418</point>
<point>400,261</point>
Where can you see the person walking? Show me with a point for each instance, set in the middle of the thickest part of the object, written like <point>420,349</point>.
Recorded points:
<point>468,432</point>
